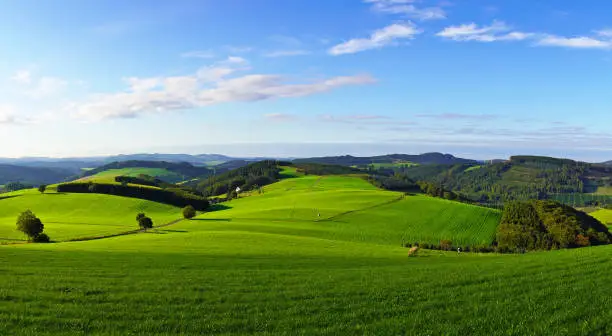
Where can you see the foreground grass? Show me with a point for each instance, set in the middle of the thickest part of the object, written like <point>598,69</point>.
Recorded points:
<point>69,216</point>
<point>192,281</point>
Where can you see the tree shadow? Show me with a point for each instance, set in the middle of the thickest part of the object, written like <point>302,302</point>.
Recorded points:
<point>218,207</point>
<point>173,231</point>
<point>7,197</point>
<point>212,219</point>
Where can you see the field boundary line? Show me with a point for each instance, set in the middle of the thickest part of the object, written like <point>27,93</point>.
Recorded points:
<point>124,233</point>
<point>336,216</point>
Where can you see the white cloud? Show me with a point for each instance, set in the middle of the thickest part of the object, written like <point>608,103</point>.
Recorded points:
<point>7,115</point>
<point>22,77</point>
<point>285,53</point>
<point>38,87</point>
<point>407,8</point>
<point>142,84</point>
<point>497,31</point>
<point>580,42</point>
<point>280,117</point>
<point>208,86</point>
<point>378,39</point>
<point>198,54</point>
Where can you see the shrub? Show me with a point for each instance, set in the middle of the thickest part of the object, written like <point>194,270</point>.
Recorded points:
<point>446,245</point>
<point>29,224</point>
<point>145,223</point>
<point>139,216</point>
<point>582,240</point>
<point>42,188</point>
<point>41,238</point>
<point>189,212</point>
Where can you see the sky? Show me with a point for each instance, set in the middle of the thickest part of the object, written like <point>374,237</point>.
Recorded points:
<point>479,79</point>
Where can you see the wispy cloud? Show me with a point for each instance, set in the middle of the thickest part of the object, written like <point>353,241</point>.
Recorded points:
<point>38,87</point>
<point>280,117</point>
<point>208,86</point>
<point>7,115</point>
<point>497,31</point>
<point>408,8</point>
<point>455,116</point>
<point>350,119</point>
<point>378,39</point>
<point>286,53</point>
<point>198,54</point>
<point>578,42</point>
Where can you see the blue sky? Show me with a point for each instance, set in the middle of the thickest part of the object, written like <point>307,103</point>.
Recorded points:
<point>474,78</point>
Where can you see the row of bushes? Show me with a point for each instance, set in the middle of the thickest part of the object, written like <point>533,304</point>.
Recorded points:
<point>448,246</point>
<point>176,197</point>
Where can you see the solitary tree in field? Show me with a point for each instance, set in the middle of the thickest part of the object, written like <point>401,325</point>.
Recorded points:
<point>29,224</point>
<point>42,188</point>
<point>189,212</point>
<point>145,223</point>
<point>139,216</point>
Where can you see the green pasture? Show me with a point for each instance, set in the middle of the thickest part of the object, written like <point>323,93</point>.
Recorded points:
<point>108,176</point>
<point>193,279</point>
<point>68,216</point>
<point>603,215</point>
<point>268,264</point>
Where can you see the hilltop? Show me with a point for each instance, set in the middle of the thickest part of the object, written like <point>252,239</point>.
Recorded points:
<point>423,159</point>
<point>323,254</point>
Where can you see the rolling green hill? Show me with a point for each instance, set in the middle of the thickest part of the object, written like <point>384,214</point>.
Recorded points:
<point>108,176</point>
<point>167,171</point>
<point>425,159</point>
<point>70,216</point>
<point>349,208</point>
<point>265,264</point>
<point>32,175</point>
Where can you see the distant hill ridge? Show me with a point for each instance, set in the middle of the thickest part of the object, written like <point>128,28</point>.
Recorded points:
<point>424,159</point>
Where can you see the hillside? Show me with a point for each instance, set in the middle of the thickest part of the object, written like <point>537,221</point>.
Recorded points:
<point>69,216</point>
<point>521,177</point>
<point>422,159</point>
<point>267,264</point>
<point>167,171</point>
<point>349,208</point>
<point>32,175</point>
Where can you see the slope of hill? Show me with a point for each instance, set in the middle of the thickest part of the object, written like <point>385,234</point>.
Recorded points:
<point>32,175</point>
<point>241,271</point>
<point>167,171</point>
<point>522,177</point>
<point>349,208</point>
<point>424,159</point>
<point>68,216</point>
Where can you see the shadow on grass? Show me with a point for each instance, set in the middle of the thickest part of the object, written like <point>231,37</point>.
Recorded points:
<point>218,207</point>
<point>7,197</point>
<point>172,231</point>
<point>212,219</point>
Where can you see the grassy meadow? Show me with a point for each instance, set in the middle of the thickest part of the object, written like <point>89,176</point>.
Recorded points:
<point>268,264</point>
<point>70,216</point>
<point>108,176</point>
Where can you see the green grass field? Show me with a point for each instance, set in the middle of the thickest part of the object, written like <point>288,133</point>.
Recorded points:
<point>267,265</point>
<point>108,176</point>
<point>70,216</point>
<point>603,191</point>
<point>603,215</point>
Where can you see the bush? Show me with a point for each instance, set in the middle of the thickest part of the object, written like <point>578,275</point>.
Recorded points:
<point>145,223</point>
<point>189,212</point>
<point>446,245</point>
<point>176,197</point>
<point>139,216</point>
<point>29,224</point>
<point>42,188</point>
<point>41,238</point>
